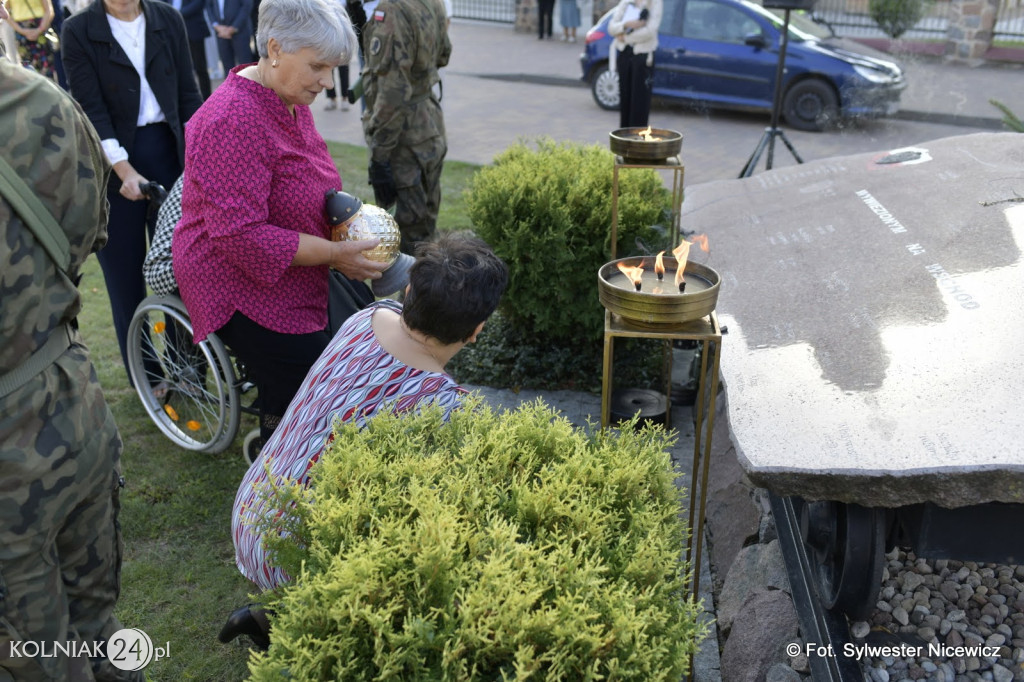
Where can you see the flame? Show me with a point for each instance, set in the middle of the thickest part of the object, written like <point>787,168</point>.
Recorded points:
<point>634,274</point>
<point>659,265</point>
<point>682,253</point>
<point>646,134</point>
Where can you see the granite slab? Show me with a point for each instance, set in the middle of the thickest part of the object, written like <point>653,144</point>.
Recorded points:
<point>874,307</point>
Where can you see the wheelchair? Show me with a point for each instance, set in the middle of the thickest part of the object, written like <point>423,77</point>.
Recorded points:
<point>194,393</point>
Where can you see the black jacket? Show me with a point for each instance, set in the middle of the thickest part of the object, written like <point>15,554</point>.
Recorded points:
<point>105,83</point>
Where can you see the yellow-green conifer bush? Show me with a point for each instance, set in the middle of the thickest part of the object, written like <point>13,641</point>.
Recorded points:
<point>547,212</point>
<point>499,546</point>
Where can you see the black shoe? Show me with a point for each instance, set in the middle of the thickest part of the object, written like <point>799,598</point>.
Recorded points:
<point>245,621</point>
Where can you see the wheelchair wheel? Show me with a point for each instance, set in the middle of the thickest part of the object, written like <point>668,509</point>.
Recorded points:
<point>189,390</point>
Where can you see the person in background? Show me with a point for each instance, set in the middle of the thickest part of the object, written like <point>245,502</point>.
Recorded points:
<point>129,67</point>
<point>569,17</point>
<point>32,21</point>
<point>194,14</point>
<point>232,24</point>
<point>634,24</point>
<point>8,42</point>
<point>252,251</point>
<point>401,349</point>
<point>60,450</point>
<point>59,14</point>
<point>332,94</point>
<point>545,17</point>
<point>406,43</point>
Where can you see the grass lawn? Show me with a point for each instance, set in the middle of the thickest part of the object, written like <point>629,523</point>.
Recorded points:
<point>179,580</point>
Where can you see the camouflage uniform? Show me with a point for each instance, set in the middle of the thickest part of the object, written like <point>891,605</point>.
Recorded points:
<point>405,43</point>
<point>60,544</point>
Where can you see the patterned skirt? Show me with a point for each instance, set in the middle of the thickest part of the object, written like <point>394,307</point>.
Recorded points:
<point>37,54</point>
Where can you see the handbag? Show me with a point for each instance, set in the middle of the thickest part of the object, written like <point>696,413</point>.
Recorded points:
<point>345,297</point>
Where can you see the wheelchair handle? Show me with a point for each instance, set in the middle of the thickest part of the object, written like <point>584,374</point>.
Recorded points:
<point>155,192</point>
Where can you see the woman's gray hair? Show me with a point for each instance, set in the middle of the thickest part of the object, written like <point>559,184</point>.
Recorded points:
<point>322,25</point>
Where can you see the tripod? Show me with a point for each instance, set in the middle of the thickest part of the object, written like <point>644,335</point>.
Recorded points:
<point>773,131</point>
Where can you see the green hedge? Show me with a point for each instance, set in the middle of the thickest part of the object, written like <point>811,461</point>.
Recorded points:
<point>501,546</point>
<point>896,17</point>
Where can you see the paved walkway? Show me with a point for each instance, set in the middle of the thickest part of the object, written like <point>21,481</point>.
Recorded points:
<point>502,86</point>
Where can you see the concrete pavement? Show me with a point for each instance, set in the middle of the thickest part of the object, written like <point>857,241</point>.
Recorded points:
<point>502,86</point>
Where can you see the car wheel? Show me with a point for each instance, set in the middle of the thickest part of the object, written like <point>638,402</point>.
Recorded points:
<point>810,105</point>
<point>605,88</point>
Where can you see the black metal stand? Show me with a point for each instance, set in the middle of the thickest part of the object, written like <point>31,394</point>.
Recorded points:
<point>773,131</point>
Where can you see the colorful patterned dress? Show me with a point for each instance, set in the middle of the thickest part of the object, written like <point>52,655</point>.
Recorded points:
<point>352,380</point>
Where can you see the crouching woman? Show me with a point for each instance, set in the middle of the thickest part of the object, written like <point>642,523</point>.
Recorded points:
<point>388,356</point>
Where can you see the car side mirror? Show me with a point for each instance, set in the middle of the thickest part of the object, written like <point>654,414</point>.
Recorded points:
<point>755,40</point>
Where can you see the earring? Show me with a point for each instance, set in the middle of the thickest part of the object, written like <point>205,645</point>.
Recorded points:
<point>274,63</point>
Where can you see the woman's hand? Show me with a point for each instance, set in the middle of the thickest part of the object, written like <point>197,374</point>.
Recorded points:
<point>131,186</point>
<point>348,258</point>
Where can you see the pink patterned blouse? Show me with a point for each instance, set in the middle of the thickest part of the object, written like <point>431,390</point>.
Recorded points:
<point>352,380</point>
<point>255,177</point>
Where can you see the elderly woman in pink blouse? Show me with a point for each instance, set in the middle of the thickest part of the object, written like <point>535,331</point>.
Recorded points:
<point>252,251</point>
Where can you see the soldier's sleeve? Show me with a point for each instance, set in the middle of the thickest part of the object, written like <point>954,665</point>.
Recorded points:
<point>390,50</point>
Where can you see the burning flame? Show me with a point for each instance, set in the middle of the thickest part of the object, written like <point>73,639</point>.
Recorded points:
<point>634,274</point>
<point>659,266</point>
<point>682,253</point>
<point>646,134</point>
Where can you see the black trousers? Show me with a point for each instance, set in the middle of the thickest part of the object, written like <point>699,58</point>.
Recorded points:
<point>131,224</point>
<point>277,363</point>
<point>546,10</point>
<point>198,50</point>
<point>342,83</point>
<point>635,81</point>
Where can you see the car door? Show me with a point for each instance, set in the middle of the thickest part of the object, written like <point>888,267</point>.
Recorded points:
<point>709,54</point>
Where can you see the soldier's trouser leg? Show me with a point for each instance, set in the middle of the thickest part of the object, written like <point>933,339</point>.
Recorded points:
<point>60,543</point>
<point>417,173</point>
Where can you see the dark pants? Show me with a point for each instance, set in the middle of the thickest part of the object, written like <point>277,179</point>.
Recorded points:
<point>342,83</point>
<point>635,81</point>
<point>155,157</point>
<point>60,539</point>
<point>277,363</point>
<point>235,50</point>
<point>545,10</point>
<point>198,50</point>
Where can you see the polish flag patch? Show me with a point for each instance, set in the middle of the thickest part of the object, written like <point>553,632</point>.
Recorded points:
<point>378,15</point>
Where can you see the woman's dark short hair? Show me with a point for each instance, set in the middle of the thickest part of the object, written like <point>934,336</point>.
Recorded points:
<point>454,285</point>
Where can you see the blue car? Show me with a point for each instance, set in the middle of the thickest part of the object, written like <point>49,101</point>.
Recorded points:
<point>724,53</point>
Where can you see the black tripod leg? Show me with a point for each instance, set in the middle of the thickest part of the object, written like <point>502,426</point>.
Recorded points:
<point>748,170</point>
<point>789,146</point>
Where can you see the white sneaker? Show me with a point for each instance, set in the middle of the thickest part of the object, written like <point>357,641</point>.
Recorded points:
<point>331,105</point>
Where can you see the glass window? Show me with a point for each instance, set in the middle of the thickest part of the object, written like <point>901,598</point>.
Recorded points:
<point>710,20</point>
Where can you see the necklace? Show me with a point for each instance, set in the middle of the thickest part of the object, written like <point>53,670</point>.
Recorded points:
<point>424,344</point>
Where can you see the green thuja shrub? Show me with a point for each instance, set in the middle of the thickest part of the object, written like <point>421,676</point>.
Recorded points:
<point>499,546</point>
<point>1010,119</point>
<point>896,17</point>
<point>547,213</point>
